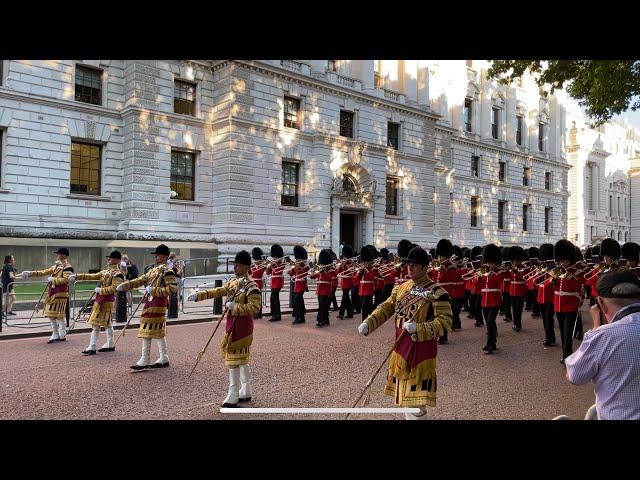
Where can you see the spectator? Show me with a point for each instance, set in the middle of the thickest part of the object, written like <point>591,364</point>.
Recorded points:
<point>8,277</point>
<point>609,355</point>
<point>131,271</point>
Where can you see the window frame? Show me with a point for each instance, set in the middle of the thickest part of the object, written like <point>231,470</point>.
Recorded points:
<point>495,122</point>
<point>475,207</point>
<point>100,71</point>
<point>525,217</point>
<point>194,108</point>
<point>395,181</point>
<point>548,180</point>
<point>99,169</point>
<point>467,112</point>
<point>526,176</point>
<point>194,172</point>
<point>353,123</point>
<point>296,198</point>
<point>519,130</point>
<point>502,171</point>
<point>397,146</point>
<point>501,214</point>
<point>548,213</point>
<point>475,162</point>
<point>298,120</point>
<point>541,145</point>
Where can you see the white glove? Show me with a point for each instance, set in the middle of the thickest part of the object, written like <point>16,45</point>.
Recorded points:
<point>97,289</point>
<point>120,288</point>
<point>229,306</point>
<point>123,264</point>
<point>363,328</point>
<point>149,289</point>
<point>72,277</point>
<point>25,274</point>
<point>192,297</point>
<point>410,327</point>
<point>50,279</point>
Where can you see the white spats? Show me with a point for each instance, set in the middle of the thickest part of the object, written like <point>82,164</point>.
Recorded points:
<point>54,331</point>
<point>234,388</point>
<point>62,328</point>
<point>245,381</point>
<point>417,416</point>
<point>146,351</point>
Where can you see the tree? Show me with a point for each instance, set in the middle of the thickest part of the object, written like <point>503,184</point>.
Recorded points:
<point>603,87</point>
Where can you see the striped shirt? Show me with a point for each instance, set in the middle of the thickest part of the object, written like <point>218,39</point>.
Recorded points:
<point>610,357</point>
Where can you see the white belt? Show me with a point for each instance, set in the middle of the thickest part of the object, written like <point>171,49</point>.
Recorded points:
<point>487,290</point>
<point>447,283</point>
<point>568,294</point>
<point>513,282</point>
<point>366,281</point>
<point>322,281</point>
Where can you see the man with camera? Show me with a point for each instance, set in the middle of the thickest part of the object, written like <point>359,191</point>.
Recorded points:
<point>609,355</point>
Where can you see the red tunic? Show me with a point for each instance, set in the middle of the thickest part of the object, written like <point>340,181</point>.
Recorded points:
<point>323,284</point>
<point>256,275</point>
<point>299,274</point>
<point>367,283</point>
<point>518,285</point>
<point>545,292</point>
<point>490,289</point>
<point>402,275</point>
<point>447,278</point>
<point>474,286</point>
<point>389,276</point>
<point>566,294</point>
<point>506,282</point>
<point>345,281</point>
<point>334,278</point>
<point>459,287</point>
<point>277,276</point>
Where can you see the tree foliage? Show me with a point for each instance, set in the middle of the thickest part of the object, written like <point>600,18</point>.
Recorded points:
<point>603,87</point>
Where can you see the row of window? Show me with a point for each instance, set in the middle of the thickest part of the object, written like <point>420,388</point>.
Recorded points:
<point>496,114</point>
<point>618,211</point>
<point>502,207</point>
<point>502,173</point>
<point>612,234</point>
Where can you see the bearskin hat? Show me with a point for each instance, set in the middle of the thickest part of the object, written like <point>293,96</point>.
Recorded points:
<point>366,254</point>
<point>404,247</point>
<point>491,253</point>
<point>587,252</point>
<point>631,251</point>
<point>517,253</point>
<point>333,254</point>
<point>325,258</point>
<point>595,250</point>
<point>533,252</point>
<point>347,251</point>
<point>506,252</point>
<point>610,248</point>
<point>299,252</point>
<point>564,250</point>
<point>579,255</point>
<point>475,252</point>
<point>384,253</point>
<point>276,251</point>
<point>546,252</point>
<point>444,248</point>
<point>466,252</point>
<point>457,251</point>
<point>256,253</point>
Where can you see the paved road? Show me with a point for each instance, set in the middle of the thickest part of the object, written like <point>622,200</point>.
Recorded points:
<point>293,366</point>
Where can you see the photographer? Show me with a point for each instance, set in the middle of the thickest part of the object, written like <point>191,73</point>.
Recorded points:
<point>609,355</point>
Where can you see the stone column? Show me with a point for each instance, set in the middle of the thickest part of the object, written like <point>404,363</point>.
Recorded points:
<point>335,229</point>
<point>423,83</point>
<point>410,80</point>
<point>369,227</point>
<point>366,74</point>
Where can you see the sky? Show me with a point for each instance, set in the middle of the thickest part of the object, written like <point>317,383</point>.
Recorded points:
<point>633,117</point>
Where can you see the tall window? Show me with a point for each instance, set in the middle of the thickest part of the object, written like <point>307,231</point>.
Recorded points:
<point>348,183</point>
<point>547,180</point>
<point>541,137</point>
<point>291,112</point>
<point>618,211</point>
<point>526,176</point>
<point>183,166</point>
<point>547,219</point>
<point>346,124</point>
<point>184,98</point>
<point>334,65</point>
<point>377,76</point>
<point>85,168</point>
<point>495,121</point>
<point>611,205</point>
<point>88,85</point>
<point>475,166</point>
<point>475,205</point>
<point>290,178</point>
<point>525,217</point>
<point>468,113</point>
<point>502,166</point>
<point>393,135</point>
<point>393,187</point>
<point>519,128</point>
<point>592,232</point>
<point>1,133</point>
<point>501,208</point>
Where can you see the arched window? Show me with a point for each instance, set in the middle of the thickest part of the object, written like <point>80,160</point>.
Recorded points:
<point>348,183</point>
<point>626,236</point>
<point>613,234</point>
<point>619,235</point>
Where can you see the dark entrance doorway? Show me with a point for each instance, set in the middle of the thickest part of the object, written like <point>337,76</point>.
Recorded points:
<point>348,224</point>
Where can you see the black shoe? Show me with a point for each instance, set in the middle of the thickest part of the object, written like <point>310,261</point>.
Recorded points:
<point>340,317</point>
<point>478,324</point>
<point>88,352</point>
<point>562,361</point>
<point>509,320</point>
<point>230,405</point>
<point>295,322</point>
<point>11,313</point>
<point>135,366</point>
<point>159,365</point>
<point>319,325</point>
<point>274,319</point>
<point>348,316</point>
<point>487,349</point>
<point>248,399</point>
<point>517,329</point>
<point>442,341</point>
<point>578,335</point>
<point>107,349</point>
<point>536,315</point>
<point>52,341</point>
<point>62,339</point>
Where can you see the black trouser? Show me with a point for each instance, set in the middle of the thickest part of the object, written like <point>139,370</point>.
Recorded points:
<point>299,309</point>
<point>579,327</point>
<point>547,322</point>
<point>259,314</point>
<point>506,305</point>
<point>345,304</point>
<point>478,308</point>
<point>275,303</point>
<point>465,305</point>
<point>378,298</point>
<point>456,307</point>
<point>470,304</point>
<point>355,299</point>
<point>566,322</point>
<point>535,306</point>
<point>388,288</point>
<point>516,306</point>
<point>333,299</point>
<point>490,314</point>
<point>324,302</point>
<point>530,299</point>
<point>367,306</point>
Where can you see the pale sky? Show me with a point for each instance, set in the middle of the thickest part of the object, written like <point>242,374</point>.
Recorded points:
<point>633,117</point>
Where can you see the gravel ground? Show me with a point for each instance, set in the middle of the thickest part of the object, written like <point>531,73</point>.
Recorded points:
<point>293,366</point>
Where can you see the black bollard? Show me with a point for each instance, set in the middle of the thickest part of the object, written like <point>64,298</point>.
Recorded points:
<point>121,307</point>
<point>217,302</point>
<point>173,307</point>
<point>68,308</point>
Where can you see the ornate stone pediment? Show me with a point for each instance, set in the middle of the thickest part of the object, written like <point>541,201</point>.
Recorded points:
<point>354,185</point>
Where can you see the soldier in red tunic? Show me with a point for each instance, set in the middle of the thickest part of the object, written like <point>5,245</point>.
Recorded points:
<point>505,308</point>
<point>474,292</point>
<point>630,251</point>
<point>388,272</point>
<point>298,275</point>
<point>531,303</point>
<point>544,296</point>
<point>490,287</point>
<point>334,282</point>
<point>517,285</point>
<point>257,272</point>
<point>345,282</point>
<point>457,297</point>
<point>379,285</point>
<point>275,270</point>
<point>445,275</point>
<point>402,273</point>
<point>323,276</point>
<point>367,275</point>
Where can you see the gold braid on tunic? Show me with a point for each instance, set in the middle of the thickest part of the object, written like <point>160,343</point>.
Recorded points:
<point>110,278</point>
<point>56,304</point>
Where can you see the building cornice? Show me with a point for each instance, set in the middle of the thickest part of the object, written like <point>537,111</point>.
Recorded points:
<point>509,187</point>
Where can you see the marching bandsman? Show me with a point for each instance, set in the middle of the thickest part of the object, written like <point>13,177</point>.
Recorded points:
<point>545,296</point>
<point>457,295</point>
<point>323,275</point>
<point>298,275</point>
<point>490,288</point>
<point>379,285</point>
<point>257,272</point>
<point>368,275</point>
<point>474,289</point>
<point>104,304</point>
<point>388,274</point>
<point>610,251</point>
<point>243,302</point>
<point>345,282</point>
<point>530,302</point>
<point>567,288</point>
<point>445,275</point>
<point>422,313</point>
<point>505,308</point>
<point>160,283</point>
<point>275,270</point>
<point>402,272</point>
<point>466,254</point>
<point>57,300</point>
<point>630,251</point>
<point>517,285</point>
<point>334,282</point>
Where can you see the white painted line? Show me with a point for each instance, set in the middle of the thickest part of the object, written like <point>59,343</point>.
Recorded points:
<point>319,410</point>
